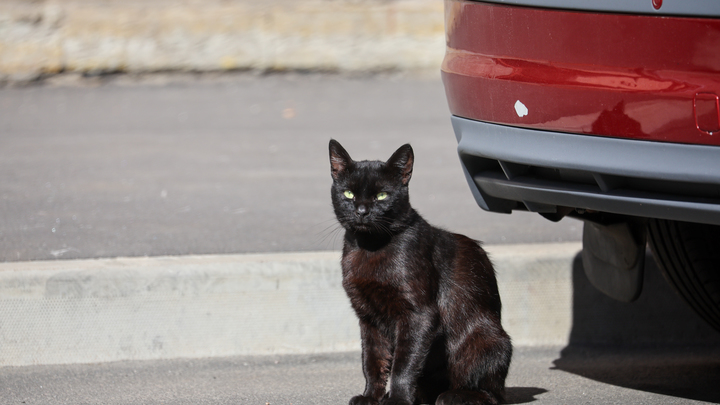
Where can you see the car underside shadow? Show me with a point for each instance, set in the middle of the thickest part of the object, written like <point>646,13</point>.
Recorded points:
<point>655,344</point>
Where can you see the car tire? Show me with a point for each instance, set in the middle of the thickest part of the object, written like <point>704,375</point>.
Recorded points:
<point>689,256</point>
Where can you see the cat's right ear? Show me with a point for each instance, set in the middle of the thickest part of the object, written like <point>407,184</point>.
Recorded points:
<point>339,159</point>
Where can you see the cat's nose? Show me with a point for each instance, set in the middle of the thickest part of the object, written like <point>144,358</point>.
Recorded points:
<point>361,210</point>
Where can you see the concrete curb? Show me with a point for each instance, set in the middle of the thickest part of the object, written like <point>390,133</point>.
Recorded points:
<point>86,311</point>
<point>46,37</point>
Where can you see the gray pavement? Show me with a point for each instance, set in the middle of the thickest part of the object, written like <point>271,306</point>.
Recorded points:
<point>168,165</point>
<point>173,165</point>
<point>539,375</point>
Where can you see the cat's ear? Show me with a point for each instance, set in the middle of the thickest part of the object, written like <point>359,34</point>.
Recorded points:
<point>339,159</point>
<point>403,160</point>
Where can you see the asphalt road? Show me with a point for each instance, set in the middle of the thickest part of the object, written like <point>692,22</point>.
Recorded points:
<point>172,165</point>
<point>238,163</point>
<point>537,375</point>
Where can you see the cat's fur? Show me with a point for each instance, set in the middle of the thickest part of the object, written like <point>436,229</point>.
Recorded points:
<point>427,300</point>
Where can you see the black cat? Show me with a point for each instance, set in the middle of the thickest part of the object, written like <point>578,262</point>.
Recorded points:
<point>427,299</point>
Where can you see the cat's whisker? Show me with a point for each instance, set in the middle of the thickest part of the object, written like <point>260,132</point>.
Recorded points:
<point>330,233</point>
<point>332,227</point>
<point>384,225</point>
<point>379,226</point>
<point>332,221</point>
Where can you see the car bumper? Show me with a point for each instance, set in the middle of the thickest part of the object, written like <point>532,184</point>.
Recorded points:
<point>619,75</point>
<point>512,168</point>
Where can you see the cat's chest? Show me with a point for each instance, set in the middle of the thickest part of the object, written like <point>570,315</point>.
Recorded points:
<point>376,285</point>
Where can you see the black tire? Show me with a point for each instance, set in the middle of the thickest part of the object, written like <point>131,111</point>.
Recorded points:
<point>689,256</point>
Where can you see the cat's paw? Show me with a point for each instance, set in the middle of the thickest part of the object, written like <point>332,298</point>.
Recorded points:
<point>362,400</point>
<point>461,397</point>
<point>394,401</point>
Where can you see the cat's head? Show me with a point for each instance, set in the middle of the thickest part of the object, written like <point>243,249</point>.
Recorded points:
<point>371,196</point>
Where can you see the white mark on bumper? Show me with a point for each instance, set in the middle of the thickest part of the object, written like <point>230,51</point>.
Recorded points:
<point>520,109</point>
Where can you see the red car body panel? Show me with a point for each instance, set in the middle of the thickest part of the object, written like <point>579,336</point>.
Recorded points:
<point>618,75</point>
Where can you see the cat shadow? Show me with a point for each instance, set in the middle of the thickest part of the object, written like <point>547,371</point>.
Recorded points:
<point>656,344</point>
<point>522,395</point>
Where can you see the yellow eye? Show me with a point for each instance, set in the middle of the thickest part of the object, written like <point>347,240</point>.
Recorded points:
<point>349,194</point>
<point>381,196</point>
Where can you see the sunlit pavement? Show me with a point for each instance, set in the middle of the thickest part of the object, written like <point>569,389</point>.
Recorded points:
<point>538,375</point>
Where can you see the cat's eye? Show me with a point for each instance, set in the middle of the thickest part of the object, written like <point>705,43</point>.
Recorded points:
<point>381,196</point>
<point>349,194</point>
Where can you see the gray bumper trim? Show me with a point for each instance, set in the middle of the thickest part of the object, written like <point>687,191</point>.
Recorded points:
<point>506,165</point>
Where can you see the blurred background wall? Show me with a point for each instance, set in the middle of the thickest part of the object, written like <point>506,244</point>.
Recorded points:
<point>44,37</point>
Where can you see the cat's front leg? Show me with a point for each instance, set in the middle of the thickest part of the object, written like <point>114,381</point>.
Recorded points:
<point>362,400</point>
<point>376,359</point>
<point>414,337</point>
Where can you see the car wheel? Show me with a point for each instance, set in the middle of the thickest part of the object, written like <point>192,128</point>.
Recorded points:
<point>689,256</point>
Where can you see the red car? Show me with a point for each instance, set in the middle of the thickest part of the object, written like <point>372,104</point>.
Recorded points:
<point>605,111</point>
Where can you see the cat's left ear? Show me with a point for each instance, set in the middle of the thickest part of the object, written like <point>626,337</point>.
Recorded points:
<point>403,160</point>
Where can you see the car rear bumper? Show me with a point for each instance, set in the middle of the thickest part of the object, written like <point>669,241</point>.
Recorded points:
<point>619,75</point>
<point>541,171</point>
